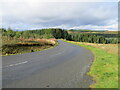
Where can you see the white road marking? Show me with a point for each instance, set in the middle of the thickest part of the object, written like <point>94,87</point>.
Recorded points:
<point>55,54</point>
<point>27,61</point>
<point>17,64</point>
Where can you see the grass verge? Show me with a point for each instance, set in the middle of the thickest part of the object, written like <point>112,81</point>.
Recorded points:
<point>104,69</point>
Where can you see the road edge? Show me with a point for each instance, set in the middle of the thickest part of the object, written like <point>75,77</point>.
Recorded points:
<point>89,68</point>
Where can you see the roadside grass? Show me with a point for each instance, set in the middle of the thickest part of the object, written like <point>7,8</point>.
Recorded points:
<point>110,48</point>
<point>104,69</point>
<point>12,46</point>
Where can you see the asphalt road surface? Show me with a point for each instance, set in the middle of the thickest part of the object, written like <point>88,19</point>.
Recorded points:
<point>64,66</point>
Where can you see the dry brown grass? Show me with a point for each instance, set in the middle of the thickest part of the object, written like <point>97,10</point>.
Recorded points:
<point>11,46</point>
<point>110,48</point>
<point>49,41</point>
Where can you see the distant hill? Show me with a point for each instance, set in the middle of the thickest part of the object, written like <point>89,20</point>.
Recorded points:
<point>92,31</point>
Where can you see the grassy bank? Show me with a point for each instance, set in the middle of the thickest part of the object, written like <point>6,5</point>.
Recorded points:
<point>12,46</point>
<point>104,69</point>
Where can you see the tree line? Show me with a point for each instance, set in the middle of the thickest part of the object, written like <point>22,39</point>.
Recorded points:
<point>92,38</point>
<point>40,33</point>
<point>58,34</point>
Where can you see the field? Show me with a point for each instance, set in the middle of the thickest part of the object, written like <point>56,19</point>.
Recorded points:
<point>93,31</point>
<point>12,46</point>
<point>104,69</point>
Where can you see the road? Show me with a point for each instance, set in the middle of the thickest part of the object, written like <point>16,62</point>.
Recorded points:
<point>64,66</point>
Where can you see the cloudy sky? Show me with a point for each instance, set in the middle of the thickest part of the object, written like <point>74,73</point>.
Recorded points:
<point>35,14</point>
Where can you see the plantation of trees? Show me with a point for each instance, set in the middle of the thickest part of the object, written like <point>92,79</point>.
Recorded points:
<point>61,34</point>
<point>95,38</point>
<point>88,38</point>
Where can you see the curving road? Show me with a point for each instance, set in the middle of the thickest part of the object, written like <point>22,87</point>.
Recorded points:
<point>64,66</point>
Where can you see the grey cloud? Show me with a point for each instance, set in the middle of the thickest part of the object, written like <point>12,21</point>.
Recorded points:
<point>57,14</point>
